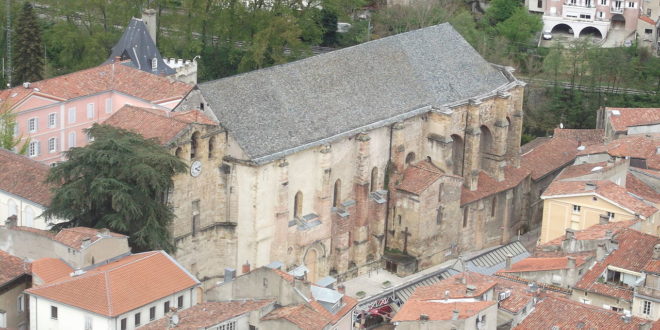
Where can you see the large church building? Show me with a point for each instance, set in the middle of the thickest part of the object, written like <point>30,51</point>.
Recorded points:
<point>400,152</point>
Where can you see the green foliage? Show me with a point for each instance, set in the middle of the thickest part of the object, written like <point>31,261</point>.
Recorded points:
<point>7,126</point>
<point>119,181</point>
<point>501,10</point>
<point>520,27</point>
<point>28,61</point>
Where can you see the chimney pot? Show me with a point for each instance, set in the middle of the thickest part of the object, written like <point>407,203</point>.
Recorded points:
<point>246,267</point>
<point>11,221</point>
<point>571,262</point>
<point>604,219</point>
<point>508,261</point>
<point>600,251</point>
<point>570,234</point>
<point>454,315</point>
<point>341,288</point>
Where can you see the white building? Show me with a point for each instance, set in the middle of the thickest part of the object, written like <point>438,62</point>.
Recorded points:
<point>120,295</point>
<point>581,17</point>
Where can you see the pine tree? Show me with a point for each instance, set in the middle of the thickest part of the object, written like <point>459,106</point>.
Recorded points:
<point>28,50</point>
<point>120,181</point>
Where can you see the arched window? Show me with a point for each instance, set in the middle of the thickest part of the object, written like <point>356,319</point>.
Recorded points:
<point>297,205</point>
<point>457,149</point>
<point>211,146</point>
<point>194,143</point>
<point>179,152</point>
<point>29,217</point>
<point>336,199</point>
<point>374,180</point>
<point>485,145</point>
<point>410,157</point>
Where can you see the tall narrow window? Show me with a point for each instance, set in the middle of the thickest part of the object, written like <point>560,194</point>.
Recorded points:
<point>180,302</point>
<point>32,124</point>
<point>108,105</point>
<point>440,189</point>
<point>33,149</point>
<point>336,199</point>
<point>297,205</point>
<point>465,216</point>
<point>53,312</point>
<point>72,139</point>
<point>137,319</point>
<point>152,313</point>
<point>438,217</point>
<point>52,144</point>
<point>72,115</point>
<point>194,143</point>
<point>166,307</point>
<point>493,206</point>
<point>124,324</point>
<point>374,180</point>
<point>211,146</point>
<point>52,120</point>
<point>410,157</point>
<point>90,110</point>
<point>195,217</point>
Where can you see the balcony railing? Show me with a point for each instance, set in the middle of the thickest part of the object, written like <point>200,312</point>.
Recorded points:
<point>588,5</point>
<point>617,10</point>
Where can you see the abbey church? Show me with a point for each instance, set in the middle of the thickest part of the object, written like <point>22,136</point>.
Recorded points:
<point>401,153</point>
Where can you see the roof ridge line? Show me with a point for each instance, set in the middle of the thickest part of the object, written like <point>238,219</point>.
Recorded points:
<point>153,253</point>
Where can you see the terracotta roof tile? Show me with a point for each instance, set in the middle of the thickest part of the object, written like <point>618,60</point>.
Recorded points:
<point>489,186</point>
<point>455,287</point>
<point>303,316</point>
<point>653,266</point>
<point>583,136</point>
<point>519,296</point>
<point>527,147</point>
<point>603,188</point>
<point>438,311</point>
<point>113,76</point>
<point>417,177</point>
<point>569,314</point>
<point>24,177</point>
<point>647,20</point>
<point>50,269</point>
<point>73,237</point>
<point>11,267</point>
<point>542,264</point>
<point>155,123</point>
<point>633,253</point>
<point>636,146</point>
<point>641,189</point>
<point>120,286</point>
<point>549,156</point>
<point>209,314</point>
<point>574,171</point>
<point>632,117</point>
<point>595,232</point>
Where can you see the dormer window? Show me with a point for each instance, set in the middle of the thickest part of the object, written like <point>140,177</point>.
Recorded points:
<point>154,64</point>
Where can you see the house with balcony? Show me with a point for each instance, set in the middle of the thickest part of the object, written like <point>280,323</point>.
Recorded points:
<point>596,17</point>
<point>646,298</point>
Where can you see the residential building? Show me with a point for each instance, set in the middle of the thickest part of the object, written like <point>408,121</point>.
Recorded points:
<point>78,247</point>
<point>14,278</point>
<point>646,299</point>
<point>596,17</point>
<point>23,190</point>
<point>561,313</point>
<point>53,113</point>
<point>647,32</point>
<point>611,282</point>
<point>559,271</point>
<point>121,294</point>
<point>299,303</point>
<point>618,122</point>
<point>225,315</point>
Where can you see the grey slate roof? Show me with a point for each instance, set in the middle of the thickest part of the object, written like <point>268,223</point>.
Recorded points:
<point>136,44</point>
<point>279,110</point>
<point>492,261</point>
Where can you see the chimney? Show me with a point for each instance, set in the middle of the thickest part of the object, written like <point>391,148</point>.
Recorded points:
<point>246,267</point>
<point>590,186</point>
<point>454,315</point>
<point>230,274</point>
<point>149,19</point>
<point>26,84</point>
<point>423,317</point>
<point>609,234</point>
<point>508,261</point>
<point>341,289</point>
<point>85,242</point>
<point>570,234</point>
<point>11,221</point>
<point>600,252</point>
<point>656,252</point>
<point>626,317</point>
<point>604,219</point>
<point>470,289</point>
<point>645,326</point>
<point>571,262</point>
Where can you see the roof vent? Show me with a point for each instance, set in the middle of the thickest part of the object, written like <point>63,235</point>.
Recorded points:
<point>580,148</point>
<point>26,84</point>
<point>77,272</point>
<point>423,317</point>
<point>37,89</point>
<point>471,289</point>
<point>596,169</point>
<point>616,112</point>
<point>590,186</point>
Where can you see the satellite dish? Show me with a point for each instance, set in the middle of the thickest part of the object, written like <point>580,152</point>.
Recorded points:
<point>174,320</point>
<point>561,125</point>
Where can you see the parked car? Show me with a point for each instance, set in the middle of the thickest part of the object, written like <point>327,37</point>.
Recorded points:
<point>547,35</point>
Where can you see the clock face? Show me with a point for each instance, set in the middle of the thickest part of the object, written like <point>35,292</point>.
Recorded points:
<point>196,168</point>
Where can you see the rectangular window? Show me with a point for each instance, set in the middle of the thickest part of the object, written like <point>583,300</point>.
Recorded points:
<point>166,307</point>
<point>493,206</point>
<point>603,2</point>
<point>539,4</point>
<point>72,115</point>
<point>465,217</point>
<point>648,31</point>
<point>52,120</point>
<point>438,217</point>
<point>72,139</point>
<point>137,319</point>
<point>576,208</point>
<point>646,307</point>
<point>152,313</point>
<point>631,4</point>
<point>32,125</point>
<point>180,302</point>
<point>20,303</point>
<point>108,105</point>
<point>442,186</point>
<point>88,322</point>
<point>90,110</point>
<point>53,312</point>
<point>33,149</point>
<point>195,217</point>
<point>610,215</point>
<point>52,145</point>
<point>123,324</point>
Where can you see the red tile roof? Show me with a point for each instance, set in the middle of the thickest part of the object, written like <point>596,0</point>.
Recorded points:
<point>112,76</point>
<point>11,267</point>
<point>519,296</point>
<point>527,147</point>
<point>455,288</point>
<point>438,311</point>
<point>549,156</point>
<point>632,117</point>
<point>636,146</point>
<point>417,177</point>
<point>208,314</point>
<point>158,124</point>
<point>641,189</point>
<point>574,171</point>
<point>542,264</point>
<point>489,186</point>
<point>120,286</point>
<point>605,189</point>
<point>595,232</point>
<point>50,269</point>
<point>303,316</point>
<point>653,266</point>
<point>24,177</point>
<point>73,237</point>
<point>583,136</point>
<point>634,252</point>
<point>647,19</point>
<point>569,314</point>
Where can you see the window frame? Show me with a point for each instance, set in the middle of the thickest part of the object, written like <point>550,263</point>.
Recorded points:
<point>90,111</point>
<point>137,319</point>
<point>53,312</point>
<point>20,303</point>
<point>179,302</point>
<point>72,114</point>
<point>646,307</point>
<point>52,145</point>
<point>52,120</point>
<point>152,313</point>
<point>33,149</point>
<point>33,125</point>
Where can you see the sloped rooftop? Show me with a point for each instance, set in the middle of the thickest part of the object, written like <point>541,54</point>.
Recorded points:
<point>136,44</point>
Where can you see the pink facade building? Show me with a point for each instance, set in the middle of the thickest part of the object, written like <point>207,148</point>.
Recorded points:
<point>595,17</point>
<point>53,113</point>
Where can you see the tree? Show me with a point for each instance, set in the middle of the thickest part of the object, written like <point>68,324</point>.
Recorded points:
<point>29,53</point>
<point>520,27</point>
<point>120,181</point>
<point>500,10</point>
<point>8,140</point>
